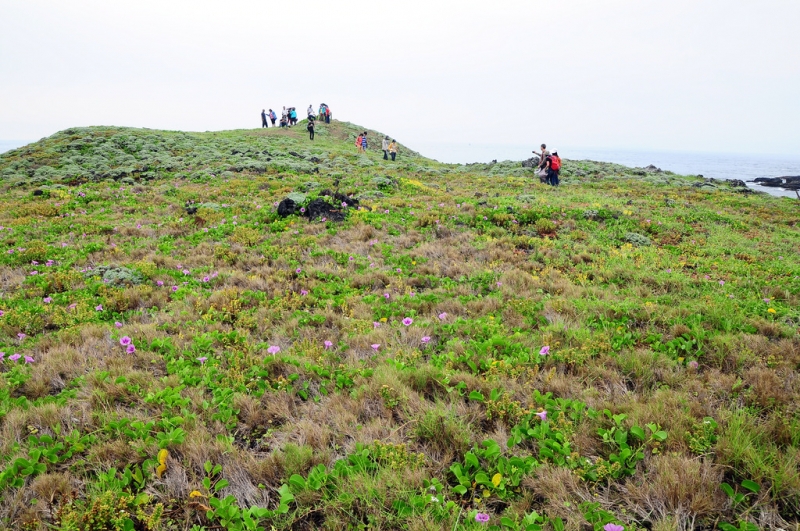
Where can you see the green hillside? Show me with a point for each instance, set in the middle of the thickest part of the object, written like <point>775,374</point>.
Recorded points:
<point>415,345</point>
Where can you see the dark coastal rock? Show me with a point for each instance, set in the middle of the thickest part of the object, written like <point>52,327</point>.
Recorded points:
<point>286,207</point>
<point>38,192</point>
<point>532,162</point>
<point>652,169</point>
<point>296,154</point>
<point>319,208</point>
<point>787,182</point>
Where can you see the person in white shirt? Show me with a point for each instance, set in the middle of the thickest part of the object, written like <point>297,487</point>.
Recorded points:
<point>385,148</point>
<point>311,115</point>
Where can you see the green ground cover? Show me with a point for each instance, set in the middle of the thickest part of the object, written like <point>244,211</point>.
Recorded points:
<point>467,349</point>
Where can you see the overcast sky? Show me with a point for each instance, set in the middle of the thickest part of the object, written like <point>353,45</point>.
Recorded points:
<point>698,75</point>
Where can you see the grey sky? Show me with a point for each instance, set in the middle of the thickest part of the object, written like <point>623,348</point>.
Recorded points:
<point>700,75</point>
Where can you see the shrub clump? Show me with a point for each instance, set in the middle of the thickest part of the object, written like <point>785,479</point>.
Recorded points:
<point>636,239</point>
<point>116,276</point>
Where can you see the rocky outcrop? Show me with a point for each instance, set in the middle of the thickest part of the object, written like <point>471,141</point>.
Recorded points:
<point>532,162</point>
<point>787,182</point>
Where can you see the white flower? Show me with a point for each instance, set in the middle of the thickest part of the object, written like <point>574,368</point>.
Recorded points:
<point>434,499</point>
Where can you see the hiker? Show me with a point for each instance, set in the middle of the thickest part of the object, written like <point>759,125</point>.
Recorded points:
<point>553,168</point>
<point>358,142</point>
<point>311,115</point>
<point>310,128</point>
<point>292,116</point>
<point>393,149</point>
<point>264,118</point>
<point>541,169</point>
<point>364,141</point>
<point>385,147</point>
<point>327,113</point>
<point>272,117</point>
<point>285,116</point>
<point>322,111</point>
<point>284,121</point>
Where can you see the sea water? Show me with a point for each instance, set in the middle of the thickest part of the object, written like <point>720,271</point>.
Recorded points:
<point>744,167</point>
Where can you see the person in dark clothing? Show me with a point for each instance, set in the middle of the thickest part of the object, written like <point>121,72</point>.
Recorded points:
<point>553,168</point>
<point>327,114</point>
<point>264,118</point>
<point>310,128</point>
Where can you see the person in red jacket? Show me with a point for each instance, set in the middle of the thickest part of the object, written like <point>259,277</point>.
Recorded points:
<point>553,168</point>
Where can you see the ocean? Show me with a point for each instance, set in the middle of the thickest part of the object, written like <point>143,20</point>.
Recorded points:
<point>716,165</point>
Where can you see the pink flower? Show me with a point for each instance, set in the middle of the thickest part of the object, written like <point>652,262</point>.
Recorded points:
<point>159,282</point>
<point>399,270</point>
<point>425,340</point>
<point>542,415</point>
<point>202,359</point>
<point>131,349</point>
<point>386,296</point>
<point>34,272</point>
<point>351,258</point>
<point>47,300</point>
<point>545,350</point>
<point>376,324</point>
<point>2,313</point>
<point>407,321</point>
<point>99,307</point>
<point>721,282</point>
<point>613,527</point>
<point>298,270</point>
<point>328,345</point>
<point>499,284</point>
<point>2,355</point>
<point>29,359</point>
<point>14,357</point>
<point>21,336</point>
<point>118,324</point>
<point>125,341</point>
<point>303,292</point>
<point>174,288</point>
<point>185,271</point>
<point>443,316</point>
<point>274,349</point>
<point>206,279</point>
<point>376,346</point>
<point>344,205</point>
<point>481,518</point>
<point>693,364</point>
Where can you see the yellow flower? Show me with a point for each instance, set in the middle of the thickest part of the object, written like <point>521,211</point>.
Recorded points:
<point>496,479</point>
<point>383,319</point>
<point>771,310</point>
<point>196,494</point>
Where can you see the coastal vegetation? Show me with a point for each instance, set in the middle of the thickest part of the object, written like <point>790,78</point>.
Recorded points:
<point>409,345</point>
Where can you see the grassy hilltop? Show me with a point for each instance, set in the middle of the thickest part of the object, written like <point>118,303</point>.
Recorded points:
<point>466,344</point>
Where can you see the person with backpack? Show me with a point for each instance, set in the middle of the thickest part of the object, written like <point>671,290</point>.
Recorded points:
<point>553,168</point>
<point>385,147</point>
<point>327,113</point>
<point>322,111</point>
<point>285,116</point>
<point>272,117</point>
<point>393,149</point>
<point>364,142</point>
<point>358,142</point>
<point>264,118</point>
<point>310,128</point>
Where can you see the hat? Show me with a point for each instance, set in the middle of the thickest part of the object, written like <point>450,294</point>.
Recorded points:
<point>554,152</point>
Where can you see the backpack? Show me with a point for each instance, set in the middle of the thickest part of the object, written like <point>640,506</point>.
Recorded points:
<point>555,163</point>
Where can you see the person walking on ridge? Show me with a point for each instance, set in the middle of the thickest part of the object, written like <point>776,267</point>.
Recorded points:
<point>364,142</point>
<point>327,113</point>
<point>311,115</point>
<point>272,117</point>
<point>292,116</point>
<point>393,149</point>
<point>385,147</point>
<point>358,142</point>
<point>310,128</point>
<point>264,118</point>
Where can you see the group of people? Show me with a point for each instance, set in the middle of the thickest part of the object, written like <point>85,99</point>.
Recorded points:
<point>388,147</point>
<point>289,116</point>
<point>549,166</point>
